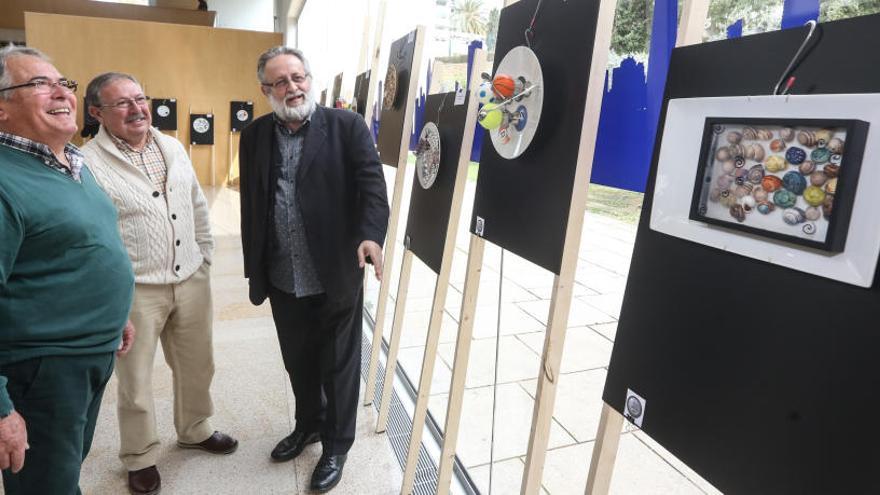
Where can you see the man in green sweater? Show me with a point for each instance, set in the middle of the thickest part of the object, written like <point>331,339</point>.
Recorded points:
<point>66,282</point>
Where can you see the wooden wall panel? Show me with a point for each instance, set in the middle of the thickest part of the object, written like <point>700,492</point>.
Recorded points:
<point>204,68</point>
<point>12,12</point>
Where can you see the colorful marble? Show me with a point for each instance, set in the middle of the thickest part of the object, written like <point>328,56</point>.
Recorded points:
<point>793,216</point>
<point>814,196</point>
<point>794,182</point>
<point>771,183</point>
<point>795,156</point>
<point>775,164</point>
<point>784,198</point>
<point>820,155</point>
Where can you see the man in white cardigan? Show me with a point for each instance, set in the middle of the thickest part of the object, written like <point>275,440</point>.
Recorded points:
<point>165,225</point>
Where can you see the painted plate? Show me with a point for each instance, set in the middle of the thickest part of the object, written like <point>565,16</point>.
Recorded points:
<point>523,113</point>
<point>428,155</point>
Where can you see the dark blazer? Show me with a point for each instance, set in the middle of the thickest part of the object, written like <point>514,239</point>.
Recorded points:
<point>341,191</point>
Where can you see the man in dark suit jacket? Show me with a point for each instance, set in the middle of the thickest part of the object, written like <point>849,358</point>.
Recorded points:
<point>314,211</point>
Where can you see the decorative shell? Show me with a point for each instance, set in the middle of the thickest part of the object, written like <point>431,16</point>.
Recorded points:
<point>749,133</point>
<point>755,152</point>
<point>836,145</point>
<point>823,136</point>
<point>831,186</point>
<point>814,196</point>
<point>784,198</point>
<point>787,134</point>
<point>794,182</point>
<point>765,134</point>
<point>748,203</point>
<point>807,167</point>
<point>723,154</point>
<point>727,198</point>
<point>795,155</point>
<point>737,150</point>
<point>738,212</point>
<point>807,138</point>
<point>793,216</point>
<point>728,166</point>
<point>812,213</point>
<point>734,137</point>
<point>818,178</point>
<point>771,183</point>
<point>724,181</point>
<point>743,190</point>
<point>756,174</point>
<point>715,195</point>
<point>775,164</point>
<point>760,194</point>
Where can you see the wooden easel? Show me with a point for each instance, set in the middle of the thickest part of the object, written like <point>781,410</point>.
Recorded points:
<point>690,31</point>
<point>393,220</point>
<point>440,292</point>
<point>374,65</point>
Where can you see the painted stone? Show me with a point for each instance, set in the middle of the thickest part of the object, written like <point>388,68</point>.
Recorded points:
<point>793,216</point>
<point>812,213</point>
<point>795,156</point>
<point>756,174</point>
<point>749,133</point>
<point>836,145</point>
<point>764,134</point>
<point>738,212</point>
<point>820,155</point>
<point>775,164</point>
<point>794,182</point>
<point>787,134</point>
<point>755,152</point>
<point>831,186</point>
<point>765,207</point>
<point>760,194</point>
<point>814,196</point>
<point>777,145</point>
<point>807,167</point>
<point>734,137</point>
<point>807,138</point>
<point>831,170</point>
<point>784,198</point>
<point>771,183</point>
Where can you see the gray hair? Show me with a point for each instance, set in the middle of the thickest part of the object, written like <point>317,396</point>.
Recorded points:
<point>93,91</point>
<point>8,52</point>
<point>276,51</point>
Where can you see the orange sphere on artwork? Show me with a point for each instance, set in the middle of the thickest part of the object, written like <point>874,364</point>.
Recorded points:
<point>503,86</point>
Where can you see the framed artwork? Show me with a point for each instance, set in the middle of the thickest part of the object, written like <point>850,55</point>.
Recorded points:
<point>241,113</point>
<point>164,112</point>
<point>786,179</point>
<point>201,128</point>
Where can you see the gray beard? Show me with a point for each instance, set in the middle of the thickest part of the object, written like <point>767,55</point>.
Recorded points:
<point>298,113</point>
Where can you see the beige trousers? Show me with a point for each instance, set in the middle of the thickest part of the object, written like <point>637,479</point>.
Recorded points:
<point>179,315</point>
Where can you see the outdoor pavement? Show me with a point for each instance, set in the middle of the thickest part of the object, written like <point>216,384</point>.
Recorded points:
<point>253,400</point>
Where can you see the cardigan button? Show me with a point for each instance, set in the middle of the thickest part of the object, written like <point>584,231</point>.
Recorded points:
<point>173,216</point>
<point>177,268</point>
<point>155,194</point>
<point>177,242</point>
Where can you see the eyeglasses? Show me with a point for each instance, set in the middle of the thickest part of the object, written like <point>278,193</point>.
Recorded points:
<point>45,86</point>
<point>284,82</point>
<point>124,103</point>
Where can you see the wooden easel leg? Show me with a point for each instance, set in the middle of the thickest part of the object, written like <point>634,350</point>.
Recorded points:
<point>394,343</point>
<point>604,451</point>
<point>385,285</point>
<point>460,365</point>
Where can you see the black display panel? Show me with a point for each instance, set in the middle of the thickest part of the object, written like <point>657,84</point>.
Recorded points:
<point>523,204</point>
<point>241,113</point>
<point>754,375</point>
<point>429,209</point>
<point>337,89</point>
<point>361,91</point>
<point>201,128</point>
<point>393,102</point>
<point>164,113</point>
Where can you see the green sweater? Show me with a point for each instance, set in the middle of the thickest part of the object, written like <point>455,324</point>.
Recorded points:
<point>66,283</point>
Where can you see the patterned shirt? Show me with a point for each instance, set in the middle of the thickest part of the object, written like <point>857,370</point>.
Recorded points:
<point>291,267</point>
<point>43,152</point>
<point>149,160</point>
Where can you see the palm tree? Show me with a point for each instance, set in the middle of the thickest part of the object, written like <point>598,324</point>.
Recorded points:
<point>468,16</point>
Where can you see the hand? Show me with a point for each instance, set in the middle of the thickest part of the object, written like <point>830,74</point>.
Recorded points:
<point>127,339</point>
<point>13,442</point>
<point>374,251</point>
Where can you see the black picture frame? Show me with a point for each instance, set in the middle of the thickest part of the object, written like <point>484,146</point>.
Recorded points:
<point>241,113</point>
<point>164,113</point>
<point>751,190</point>
<point>196,124</point>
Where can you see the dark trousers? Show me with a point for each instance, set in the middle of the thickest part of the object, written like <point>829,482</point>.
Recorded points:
<point>320,344</point>
<point>59,398</point>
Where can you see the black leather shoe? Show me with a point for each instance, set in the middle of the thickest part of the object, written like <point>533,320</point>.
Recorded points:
<point>144,481</point>
<point>327,473</point>
<point>292,445</point>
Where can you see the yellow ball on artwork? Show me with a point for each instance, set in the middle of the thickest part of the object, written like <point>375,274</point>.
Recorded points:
<point>490,117</point>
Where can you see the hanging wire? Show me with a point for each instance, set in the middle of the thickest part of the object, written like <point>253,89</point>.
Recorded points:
<point>813,24</point>
<point>530,31</point>
<point>495,380</point>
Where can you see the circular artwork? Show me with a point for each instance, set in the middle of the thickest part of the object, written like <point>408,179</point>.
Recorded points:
<point>522,112</point>
<point>163,111</point>
<point>242,115</point>
<point>201,125</point>
<point>428,155</point>
<point>390,87</point>
<point>634,407</point>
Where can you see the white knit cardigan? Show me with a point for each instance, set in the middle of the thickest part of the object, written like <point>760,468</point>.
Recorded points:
<point>167,240</point>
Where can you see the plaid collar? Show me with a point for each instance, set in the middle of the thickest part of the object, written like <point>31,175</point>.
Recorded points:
<point>44,153</point>
<point>126,148</point>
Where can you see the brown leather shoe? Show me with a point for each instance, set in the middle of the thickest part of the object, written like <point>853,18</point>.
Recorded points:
<point>144,481</point>
<point>217,443</point>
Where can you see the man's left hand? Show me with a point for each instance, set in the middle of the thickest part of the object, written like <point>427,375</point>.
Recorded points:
<point>374,251</point>
<point>127,339</point>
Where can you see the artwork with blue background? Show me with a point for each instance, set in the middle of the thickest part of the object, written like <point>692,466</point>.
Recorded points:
<point>632,99</point>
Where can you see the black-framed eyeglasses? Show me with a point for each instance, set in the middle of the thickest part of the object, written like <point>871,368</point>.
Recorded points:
<point>284,82</point>
<point>124,103</point>
<point>45,86</point>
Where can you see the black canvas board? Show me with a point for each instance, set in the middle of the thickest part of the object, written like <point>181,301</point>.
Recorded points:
<point>201,128</point>
<point>323,101</point>
<point>164,113</point>
<point>241,113</point>
<point>524,202</point>
<point>429,209</point>
<point>337,89</point>
<point>758,377</point>
<point>392,117</point>
<point>361,91</point>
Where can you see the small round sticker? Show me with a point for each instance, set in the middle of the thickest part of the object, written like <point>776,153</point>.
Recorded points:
<point>201,125</point>
<point>242,115</point>
<point>163,111</point>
